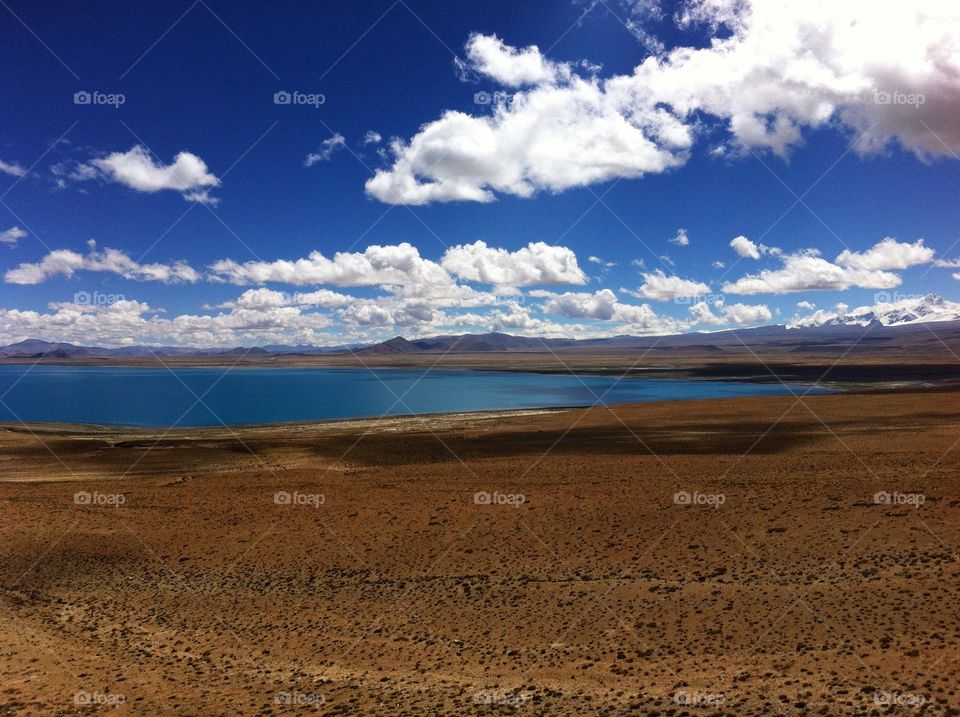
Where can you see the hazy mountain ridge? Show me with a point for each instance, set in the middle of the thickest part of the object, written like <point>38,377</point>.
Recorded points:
<point>898,323</point>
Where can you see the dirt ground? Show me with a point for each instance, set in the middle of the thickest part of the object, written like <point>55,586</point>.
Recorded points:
<point>728,557</point>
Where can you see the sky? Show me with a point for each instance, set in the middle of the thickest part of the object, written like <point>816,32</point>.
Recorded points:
<point>212,173</point>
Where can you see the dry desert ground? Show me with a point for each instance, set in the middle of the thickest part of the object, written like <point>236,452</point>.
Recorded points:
<point>739,557</point>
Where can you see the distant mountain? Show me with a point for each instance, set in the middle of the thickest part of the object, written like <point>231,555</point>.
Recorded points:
<point>37,349</point>
<point>885,327</point>
<point>927,309</point>
<point>466,343</point>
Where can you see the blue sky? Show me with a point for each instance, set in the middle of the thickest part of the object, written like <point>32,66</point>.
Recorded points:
<point>616,163</point>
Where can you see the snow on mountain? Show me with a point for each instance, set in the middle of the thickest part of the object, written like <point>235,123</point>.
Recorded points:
<point>900,312</point>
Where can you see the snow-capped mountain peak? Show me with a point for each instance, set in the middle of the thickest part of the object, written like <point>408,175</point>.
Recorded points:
<point>898,312</point>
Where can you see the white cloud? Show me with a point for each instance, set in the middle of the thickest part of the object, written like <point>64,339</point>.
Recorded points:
<point>604,306</point>
<point>327,148</point>
<point>888,254</point>
<point>770,70</point>
<point>681,239</point>
<point>718,264</point>
<point>376,265</point>
<point>740,314</point>
<point>601,262</point>
<point>806,306</point>
<point>488,55</point>
<point>575,305</point>
<point>67,262</point>
<point>128,322</point>
<point>746,314</point>
<point>261,299</point>
<point>12,235</point>
<point>551,138</point>
<point>660,287</point>
<point>536,263</point>
<point>201,196</point>
<point>321,297</point>
<point>808,271</point>
<point>745,248</point>
<point>947,263</point>
<point>12,168</point>
<point>372,137</point>
<point>137,170</point>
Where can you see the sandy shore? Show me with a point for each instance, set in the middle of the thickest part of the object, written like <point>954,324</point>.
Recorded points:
<point>531,562</point>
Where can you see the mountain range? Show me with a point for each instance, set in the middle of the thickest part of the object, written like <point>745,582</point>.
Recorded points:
<point>910,310</point>
<point>896,322</point>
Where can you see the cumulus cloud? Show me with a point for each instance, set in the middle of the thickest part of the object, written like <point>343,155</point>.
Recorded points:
<point>137,170</point>
<point>11,236</point>
<point>551,138</point>
<point>740,314</point>
<point>888,254</point>
<point>574,305</point>
<point>603,305</point>
<point>603,263</point>
<point>681,239</point>
<point>808,271</point>
<point>375,266</point>
<point>745,248</point>
<point>12,168</point>
<point>127,322</point>
<point>488,55</point>
<point>746,314</point>
<point>327,148</point>
<point>66,262</point>
<point>372,137</point>
<point>536,263</point>
<point>661,287</point>
<point>771,69</point>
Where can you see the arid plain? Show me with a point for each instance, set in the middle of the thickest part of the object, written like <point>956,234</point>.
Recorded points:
<point>788,555</point>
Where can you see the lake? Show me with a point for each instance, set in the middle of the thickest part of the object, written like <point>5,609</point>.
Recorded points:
<point>161,397</point>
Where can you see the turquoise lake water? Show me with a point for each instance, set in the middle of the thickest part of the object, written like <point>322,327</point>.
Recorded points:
<point>160,397</point>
